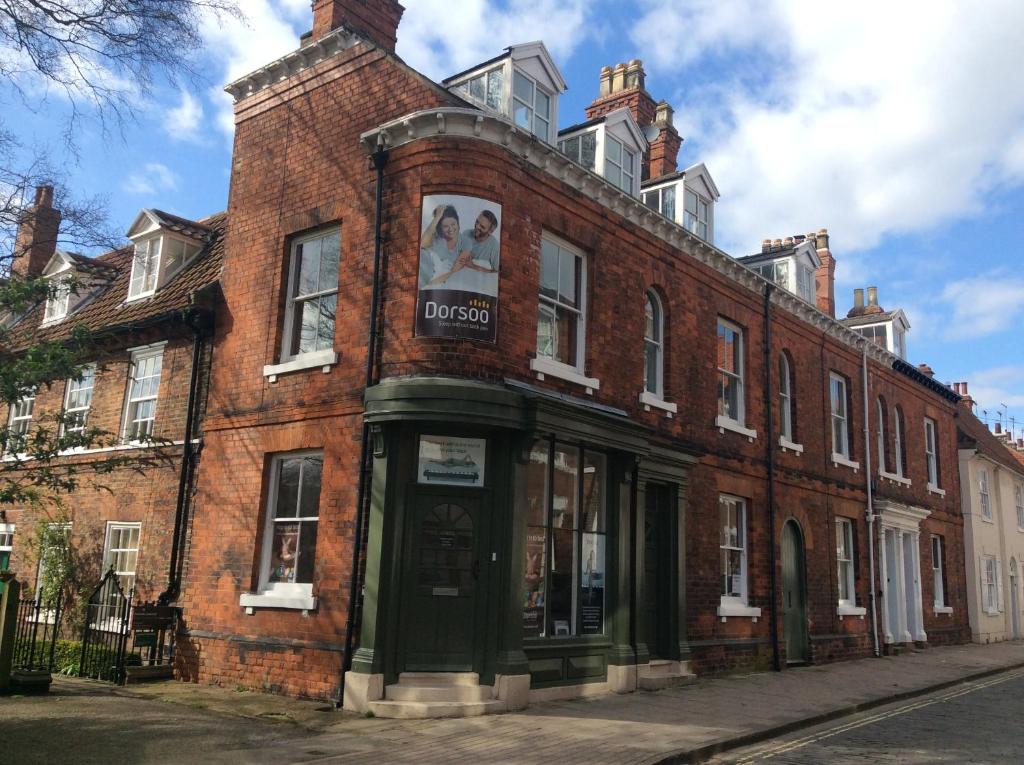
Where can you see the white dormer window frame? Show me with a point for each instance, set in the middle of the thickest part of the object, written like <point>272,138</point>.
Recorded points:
<point>528,96</point>
<point>59,299</point>
<point>619,164</point>
<point>145,267</point>
<point>698,219</point>
<point>662,199</point>
<point>805,284</point>
<point>487,87</point>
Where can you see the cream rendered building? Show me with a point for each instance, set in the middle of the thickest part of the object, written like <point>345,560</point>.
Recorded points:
<point>992,489</point>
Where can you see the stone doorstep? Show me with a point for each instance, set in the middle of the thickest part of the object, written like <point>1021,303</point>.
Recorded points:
<point>663,673</point>
<point>154,672</point>
<point>420,695</point>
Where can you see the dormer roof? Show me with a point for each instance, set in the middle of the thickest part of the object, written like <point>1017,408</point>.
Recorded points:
<point>698,172</point>
<point>623,117</point>
<point>81,264</point>
<point>518,53</point>
<point>883,317</point>
<point>804,250</point>
<point>151,220</point>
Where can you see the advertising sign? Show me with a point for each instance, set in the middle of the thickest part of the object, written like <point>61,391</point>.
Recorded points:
<point>458,275</point>
<point>451,461</point>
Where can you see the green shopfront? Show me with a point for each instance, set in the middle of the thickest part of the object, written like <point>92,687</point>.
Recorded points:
<point>529,538</point>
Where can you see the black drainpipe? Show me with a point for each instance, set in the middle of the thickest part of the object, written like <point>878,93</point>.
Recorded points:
<point>770,443</point>
<point>380,160</point>
<point>173,580</point>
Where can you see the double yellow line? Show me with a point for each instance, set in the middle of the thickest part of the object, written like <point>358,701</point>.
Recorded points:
<point>789,746</point>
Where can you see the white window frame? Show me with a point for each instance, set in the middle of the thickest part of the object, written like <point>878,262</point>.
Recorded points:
<point>984,500</point>
<point>655,199</point>
<point>465,89</point>
<point>990,584</point>
<point>143,284</point>
<point>841,450</point>
<point>656,320</point>
<point>577,155</point>
<point>845,562</point>
<point>6,540</point>
<point>735,605</point>
<point>1018,495</point>
<point>109,552</point>
<point>693,222</point>
<point>548,365</point>
<point>58,301</point>
<point>79,386</point>
<point>19,416</point>
<point>289,595</point>
<point>805,284</point>
<point>785,399</point>
<point>897,443</point>
<point>133,398</point>
<point>727,421</point>
<point>931,452</point>
<point>938,587</point>
<point>292,359</point>
<point>623,180</point>
<point>531,107</point>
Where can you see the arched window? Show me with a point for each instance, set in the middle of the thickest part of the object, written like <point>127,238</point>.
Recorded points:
<point>899,453</point>
<point>883,455</point>
<point>654,346</point>
<point>785,399</point>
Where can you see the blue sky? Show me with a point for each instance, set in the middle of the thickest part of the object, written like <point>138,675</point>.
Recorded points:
<point>897,125</point>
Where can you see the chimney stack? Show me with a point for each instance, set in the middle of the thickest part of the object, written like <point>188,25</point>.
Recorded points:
<point>664,153</point>
<point>925,369</point>
<point>36,241</point>
<point>965,397</point>
<point>825,276</point>
<point>374,20</point>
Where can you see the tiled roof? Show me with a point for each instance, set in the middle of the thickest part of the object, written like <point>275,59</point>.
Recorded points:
<point>868,318</point>
<point>110,311</point>
<point>92,265</point>
<point>194,229</point>
<point>973,433</point>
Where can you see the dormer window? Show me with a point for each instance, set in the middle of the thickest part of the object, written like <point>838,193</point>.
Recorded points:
<point>610,146</point>
<point>58,300</point>
<point>662,200</point>
<point>487,87</point>
<point>581,149</point>
<point>805,283</point>
<point>164,244</point>
<point>789,265</point>
<point>144,268</point>
<point>531,106</point>
<point>619,164</point>
<point>695,217</point>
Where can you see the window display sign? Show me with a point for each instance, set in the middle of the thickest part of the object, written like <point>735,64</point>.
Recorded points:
<point>458,275</point>
<point>451,461</point>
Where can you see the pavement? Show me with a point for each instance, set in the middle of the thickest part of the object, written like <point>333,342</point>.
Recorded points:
<point>169,721</point>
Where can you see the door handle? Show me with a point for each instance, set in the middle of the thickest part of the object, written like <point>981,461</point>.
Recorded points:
<point>475,569</point>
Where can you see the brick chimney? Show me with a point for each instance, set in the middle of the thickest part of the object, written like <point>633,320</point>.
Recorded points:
<point>37,235</point>
<point>825,276</point>
<point>960,388</point>
<point>664,154</point>
<point>926,370</point>
<point>623,86</point>
<point>374,20</point>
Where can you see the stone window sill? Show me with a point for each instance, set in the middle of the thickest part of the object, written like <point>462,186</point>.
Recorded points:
<point>725,610</point>
<point>650,400</point>
<point>790,446</point>
<point>251,601</point>
<point>933,489</point>
<point>724,423</point>
<point>323,359</point>
<point>943,610</point>
<point>839,459</point>
<point>894,478</point>
<point>562,371</point>
<point>850,610</point>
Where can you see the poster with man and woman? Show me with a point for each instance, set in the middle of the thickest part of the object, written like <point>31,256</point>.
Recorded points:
<point>459,263</point>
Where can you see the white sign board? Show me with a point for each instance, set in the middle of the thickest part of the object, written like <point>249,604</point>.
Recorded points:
<point>451,461</point>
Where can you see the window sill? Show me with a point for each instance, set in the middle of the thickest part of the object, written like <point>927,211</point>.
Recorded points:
<point>250,601</point>
<point>324,359</point>
<point>987,519</point>
<point>894,478</point>
<point>649,400</point>
<point>933,489</point>
<point>848,610</point>
<point>943,610</point>
<point>992,612</point>
<point>725,610</point>
<point>789,446</point>
<point>839,459</point>
<point>724,423</point>
<point>562,371</point>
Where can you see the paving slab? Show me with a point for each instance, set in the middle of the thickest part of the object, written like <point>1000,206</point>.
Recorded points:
<point>168,721</point>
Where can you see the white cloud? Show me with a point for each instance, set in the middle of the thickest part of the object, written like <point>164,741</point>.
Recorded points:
<point>184,121</point>
<point>439,41</point>
<point>154,177</point>
<point>983,305</point>
<point>869,118</point>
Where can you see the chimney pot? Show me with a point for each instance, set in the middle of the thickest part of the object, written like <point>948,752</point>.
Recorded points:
<point>776,243</point>
<point>872,296</point>
<point>963,387</point>
<point>663,114</point>
<point>858,298</point>
<point>766,245</point>
<point>788,241</point>
<point>998,429</point>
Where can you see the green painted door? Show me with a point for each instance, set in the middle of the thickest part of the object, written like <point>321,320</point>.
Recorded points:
<point>657,573</point>
<point>443,588</point>
<point>794,600</point>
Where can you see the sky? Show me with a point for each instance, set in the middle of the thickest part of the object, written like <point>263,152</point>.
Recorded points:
<point>897,125</point>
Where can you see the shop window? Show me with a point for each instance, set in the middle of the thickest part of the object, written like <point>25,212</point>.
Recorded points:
<point>562,494</point>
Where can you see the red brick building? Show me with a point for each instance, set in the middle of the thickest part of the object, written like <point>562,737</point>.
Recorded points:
<point>148,308</point>
<point>576,447</point>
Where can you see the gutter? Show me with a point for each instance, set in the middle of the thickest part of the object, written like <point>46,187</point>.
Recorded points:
<point>380,160</point>
<point>769,431</point>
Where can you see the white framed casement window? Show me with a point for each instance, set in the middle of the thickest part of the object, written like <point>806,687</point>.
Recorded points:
<point>58,300</point>
<point>983,498</point>
<point>654,347</point>
<point>938,574</point>
<point>486,88</point>
<point>531,106</point>
<point>1018,495</point>
<point>288,557</point>
<point>695,214</point>
<point>619,164</point>
<point>732,513</point>
<point>145,267</point>
<point>840,425</point>
<point>562,312</point>
<point>662,200</point>
<point>805,284</point>
<point>845,562</point>
<point>143,389</point>
<point>785,399</point>
<point>78,400</point>
<point>581,149</point>
<point>930,453</point>
<point>312,299</point>
<point>121,553</point>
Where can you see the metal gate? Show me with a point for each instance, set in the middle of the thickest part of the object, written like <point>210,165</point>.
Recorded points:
<point>106,631</point>
<point>36,633</point>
